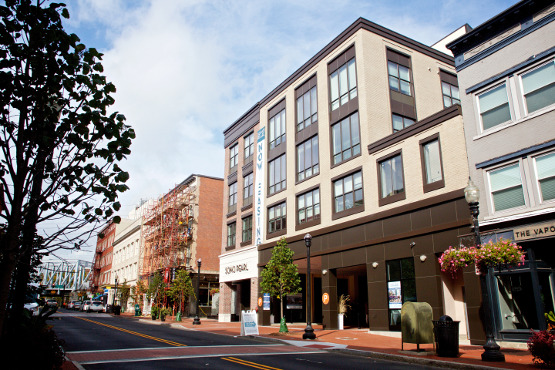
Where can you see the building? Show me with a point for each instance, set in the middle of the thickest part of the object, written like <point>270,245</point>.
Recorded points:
<point>179,229</point>
<point>363,148</point>
<point>102,278</point>
<point>506,73</point>
<point>239,255</point>
<point>126,253</point>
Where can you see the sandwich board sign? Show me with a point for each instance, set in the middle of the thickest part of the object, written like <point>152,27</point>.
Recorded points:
<point>249,324</point>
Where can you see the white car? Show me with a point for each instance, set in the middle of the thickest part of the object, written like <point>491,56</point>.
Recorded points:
<point>33,307</point>
<point>86,306</point>
<point>96,306</point>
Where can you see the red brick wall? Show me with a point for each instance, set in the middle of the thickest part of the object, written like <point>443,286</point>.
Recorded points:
<point>209,236</point>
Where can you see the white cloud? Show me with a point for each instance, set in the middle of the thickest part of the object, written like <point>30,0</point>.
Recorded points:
<point>186,70</point>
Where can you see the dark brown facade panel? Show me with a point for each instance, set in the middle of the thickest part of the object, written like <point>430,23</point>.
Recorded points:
<point>247,169</point>
<point>396,249</point>
<point>341,59</point>
<point>429,267</point>
<point>354,235</point>
<point>421,218</point>
<point>306,86</point>
<point>420,126</point>
<point>343,111</point>
<point>428,289</point>
<point>306,133</point>
<point>397,225</point>
<point>375,253</point>
<point>403,105</point>
<point>448,77</point>
<point>324,232</point>
<point>276,108</point>
<point>232,178</point>
<point>442,213</point>
<point>353,257</point>
<point>374,230</point>
<point>424,244</point>
<point>378,319</point>
<point>398,57</point>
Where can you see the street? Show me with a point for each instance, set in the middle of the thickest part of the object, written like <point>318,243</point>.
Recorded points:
<point>102,341</point>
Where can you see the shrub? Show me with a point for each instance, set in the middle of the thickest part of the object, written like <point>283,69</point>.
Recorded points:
<point>540,346</point>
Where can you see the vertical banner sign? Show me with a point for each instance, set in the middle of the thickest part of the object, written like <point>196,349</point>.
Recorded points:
<point>259,189</point>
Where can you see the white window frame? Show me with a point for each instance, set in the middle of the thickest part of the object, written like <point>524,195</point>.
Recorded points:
<point>510,101</point>
<point>537,179</point>
<point>521,167</point>
<point>522,98</point>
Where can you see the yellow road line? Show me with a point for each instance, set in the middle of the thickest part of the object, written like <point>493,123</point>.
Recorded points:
<point>170,342</point>
<point>249,363</point>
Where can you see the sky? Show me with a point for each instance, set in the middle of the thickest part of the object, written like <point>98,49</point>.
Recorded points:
<point>185,70</point>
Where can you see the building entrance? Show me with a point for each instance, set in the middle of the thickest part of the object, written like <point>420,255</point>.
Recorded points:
<point>352,281</point>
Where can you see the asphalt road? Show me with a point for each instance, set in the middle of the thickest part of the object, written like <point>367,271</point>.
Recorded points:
<point>101,341</point>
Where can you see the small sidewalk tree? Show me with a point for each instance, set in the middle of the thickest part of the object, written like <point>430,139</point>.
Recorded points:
<point>280,277</point>
<point>181,289</point>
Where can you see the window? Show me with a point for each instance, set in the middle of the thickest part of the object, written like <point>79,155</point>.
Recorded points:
<point>432,169</point>
<point>391,182</point>
<point>249,145</point>
<point>399,78</point>
<point>450,94</point>
<point>277,129</point>
<point>401,288</point>
<point>308,206</point>
<point>277,218</point>
<point>232,197</point>
<point>277,174</point>
<point>247,189</point>
<point>307,109</point>
<point>343,84</point>
<point>347,192</point>
<point>231,234</point>
<point>307,159</point>
<point>400,122</point>
<point>449,88</point>
<point>233,156</point>
<point>247,229</point>
<point>545,172</point>
<point>345,139</point>
<point>494,107</point>
<point>506,187</point>
<point>539,87</point>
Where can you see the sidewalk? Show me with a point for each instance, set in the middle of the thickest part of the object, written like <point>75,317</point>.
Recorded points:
<point>363,343</point>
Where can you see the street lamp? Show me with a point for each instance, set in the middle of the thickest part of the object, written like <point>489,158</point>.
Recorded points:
<point>196,321</point>
<point>491,348</point>
<point>115,292</point>
<point>308,331</point>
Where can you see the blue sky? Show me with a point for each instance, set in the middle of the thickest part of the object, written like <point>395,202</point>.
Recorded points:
<point>186,70</point>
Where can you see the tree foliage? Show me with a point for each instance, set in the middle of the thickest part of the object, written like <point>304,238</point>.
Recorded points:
<point>156,288</point>
<point>59,143</point>
<point>280,277</point>
<point>124,292</point>
<point>181,288</point>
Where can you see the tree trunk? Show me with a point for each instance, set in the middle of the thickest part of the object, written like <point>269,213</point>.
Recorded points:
<point>7,266</point>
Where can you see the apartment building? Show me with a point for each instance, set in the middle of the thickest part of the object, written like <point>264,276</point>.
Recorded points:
<point>102,276</point>
<point>126,253</point>
<point>181,228</point>
<point>363,148</point>
<point>506,70</point>
<point>239,255</point>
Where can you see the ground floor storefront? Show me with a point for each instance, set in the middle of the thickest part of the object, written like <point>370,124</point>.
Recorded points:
<point>238,283</point>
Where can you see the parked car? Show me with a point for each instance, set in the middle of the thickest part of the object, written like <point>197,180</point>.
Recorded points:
<point>52,303</point>
<point>33,307</point>
<point>77,305</point>
<point>86,306</point>
<point>96,306</point>
<point>71,305</point>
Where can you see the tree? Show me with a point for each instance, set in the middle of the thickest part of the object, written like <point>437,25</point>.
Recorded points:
<point>280,277</point>
<point>124,294</point>
<point>59,145</point>
<point>156,288</point>
<point>138,290</point>
<point>181,288</point>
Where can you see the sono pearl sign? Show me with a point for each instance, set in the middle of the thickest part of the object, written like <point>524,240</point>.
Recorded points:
<point>239,265</point>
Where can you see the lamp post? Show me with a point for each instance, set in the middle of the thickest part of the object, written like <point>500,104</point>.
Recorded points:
<point>491,348</point>
<point>308,331</point>
<point>115,292</point>
<point>196,321</point>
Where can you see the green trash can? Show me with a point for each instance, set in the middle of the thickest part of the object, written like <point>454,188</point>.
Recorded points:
<point>137,310</point>
<point>178,316</point>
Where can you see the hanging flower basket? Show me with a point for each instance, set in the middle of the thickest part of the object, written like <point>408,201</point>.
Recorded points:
<point>501,254</point>
<point>454,260</point>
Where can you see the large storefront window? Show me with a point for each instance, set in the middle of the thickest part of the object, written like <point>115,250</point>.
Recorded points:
<point>401,288</point>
